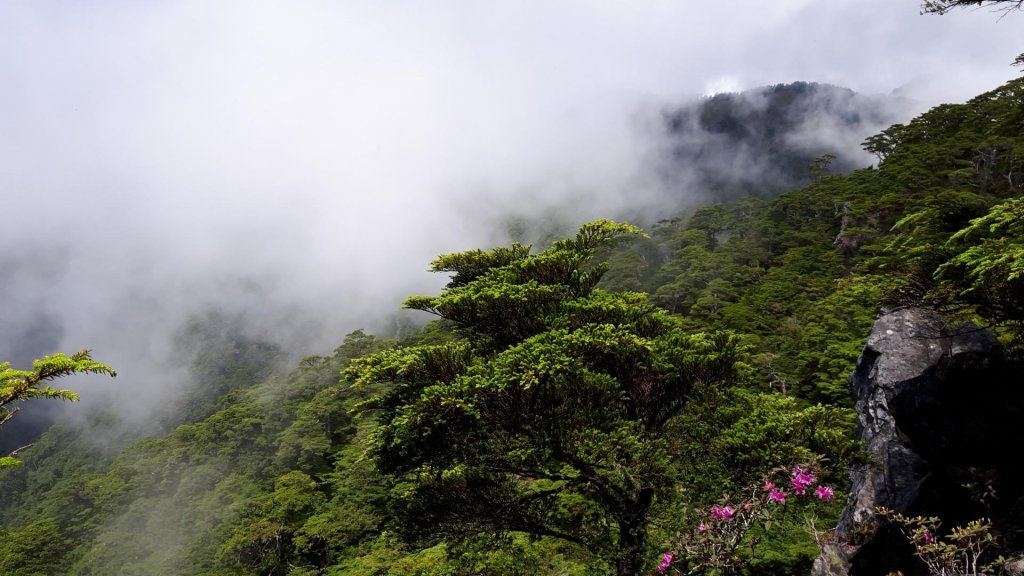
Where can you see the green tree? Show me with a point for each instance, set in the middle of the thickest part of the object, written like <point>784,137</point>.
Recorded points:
<point>549,417</point>
<point>986,269</point>
<point>19,385</point>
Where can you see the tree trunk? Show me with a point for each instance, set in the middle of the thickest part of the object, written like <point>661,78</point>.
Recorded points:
<point>633,536</point>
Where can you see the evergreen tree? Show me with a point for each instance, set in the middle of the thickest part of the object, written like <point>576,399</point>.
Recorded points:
<point>549,416</point>
<point>19,385</point>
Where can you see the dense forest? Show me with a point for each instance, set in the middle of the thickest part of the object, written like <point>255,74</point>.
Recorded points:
<point>575,408</point>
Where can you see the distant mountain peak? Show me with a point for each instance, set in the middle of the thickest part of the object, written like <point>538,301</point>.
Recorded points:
<point>762,140</point>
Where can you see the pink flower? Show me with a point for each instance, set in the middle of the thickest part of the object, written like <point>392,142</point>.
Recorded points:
<point>927,537</point>
<point>824,492</point>
<point>702,528</point>
<point>768,486</point>
<point>719,513</point>
<point>851,548</point>
<point>801,480</point>
<point>778,496</point>
<point>799,488</point>
<point>666,560</point>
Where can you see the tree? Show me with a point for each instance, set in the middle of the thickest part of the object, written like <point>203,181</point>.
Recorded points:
<point>883,143</point>
<point>549,415</point>
<point>986,269</point>
<point>944,6</point>
<point>17,385</point>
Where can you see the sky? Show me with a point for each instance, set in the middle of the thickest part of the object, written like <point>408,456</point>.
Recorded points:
<point>302,162</point>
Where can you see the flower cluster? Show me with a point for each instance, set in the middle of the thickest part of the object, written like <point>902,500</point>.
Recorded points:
<point>723,528</point>
<point>666,561</point>
<point>720,513</point>
<point>801,480</point>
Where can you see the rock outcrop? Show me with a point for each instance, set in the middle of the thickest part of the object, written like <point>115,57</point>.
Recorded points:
<point>936,408</point>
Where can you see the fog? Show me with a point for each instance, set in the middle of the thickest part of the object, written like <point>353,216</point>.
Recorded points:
<point>300,163</point>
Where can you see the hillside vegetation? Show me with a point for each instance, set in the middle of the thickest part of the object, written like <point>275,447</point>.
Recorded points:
<point>574,408</point>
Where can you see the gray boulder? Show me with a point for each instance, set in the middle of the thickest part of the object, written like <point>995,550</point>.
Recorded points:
<point>931,403</point>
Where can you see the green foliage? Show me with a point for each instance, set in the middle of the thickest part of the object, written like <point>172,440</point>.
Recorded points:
<point>961,551</point>
<point>262,541</point>
<point>206,499</point>
<point>727,439</point>
<point>804,275</point>
<point>222,356</point>
<point>36,550</point>
<point>960,245</point>
<point>570,409</point>
<point>777,273</point>
<point>550,418</point>
<point>986,264</point>
<point>20,385</point>
<point>490,291</point>
<point>729,537</point>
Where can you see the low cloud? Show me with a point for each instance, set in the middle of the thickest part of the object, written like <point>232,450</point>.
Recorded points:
<point>302,162</point>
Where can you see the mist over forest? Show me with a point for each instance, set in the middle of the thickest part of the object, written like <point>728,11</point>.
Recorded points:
<point>300,165</point>
<point>208,195</point>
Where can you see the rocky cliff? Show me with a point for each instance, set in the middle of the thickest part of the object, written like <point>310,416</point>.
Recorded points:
<point>941,415</point>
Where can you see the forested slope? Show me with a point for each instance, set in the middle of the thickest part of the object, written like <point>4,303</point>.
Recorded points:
<point>299,473</point>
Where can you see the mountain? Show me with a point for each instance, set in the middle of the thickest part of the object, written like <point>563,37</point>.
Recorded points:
<point>762,141</point>
<point>316,472</point>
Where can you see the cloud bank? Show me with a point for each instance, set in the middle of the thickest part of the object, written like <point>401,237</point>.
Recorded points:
<point>302,162</point>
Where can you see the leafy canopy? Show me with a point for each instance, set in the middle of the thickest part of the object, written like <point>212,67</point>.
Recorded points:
<point>16,385</point>
<point>549,416</point>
